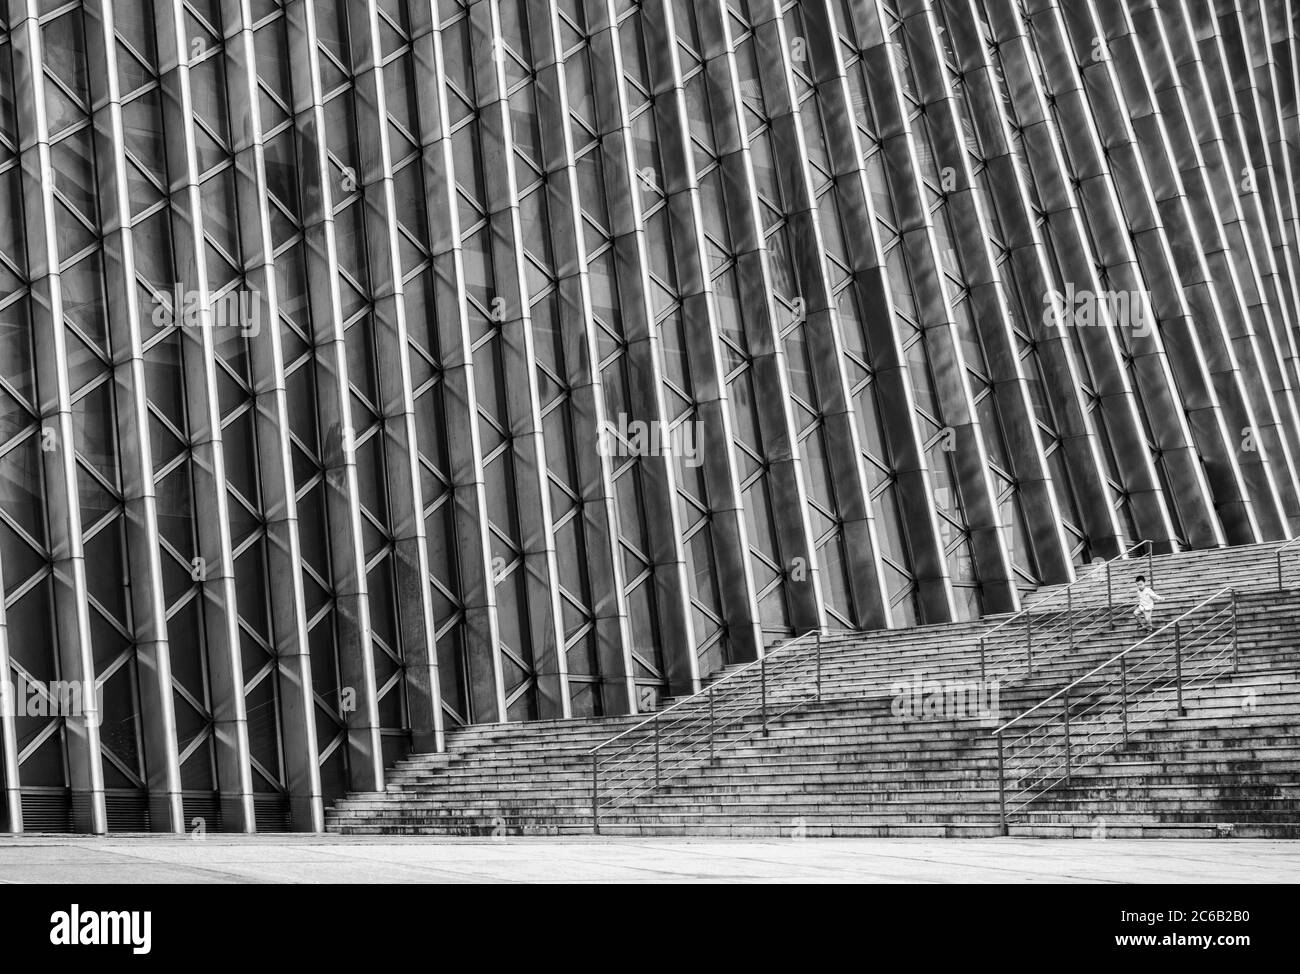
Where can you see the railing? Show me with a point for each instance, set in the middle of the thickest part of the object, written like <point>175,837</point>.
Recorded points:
<point>1280,552</point>
<point>692,731</point>
<point>1069,622</point>
<point>1077,725</point>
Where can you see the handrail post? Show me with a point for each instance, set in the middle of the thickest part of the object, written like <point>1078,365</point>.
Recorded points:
<point>1029,643</point>
<point>1110,599</point>
<point>1151,572</point>
<point>1279,569</point>
<point>656,750</point>
<point>595,792</point>
<point>1178,666</point>
<point>983,676</point>
<point>711,725</point>
<point>1002,787</point>
<point>1069,614</point>
<point>1235,657</point>
<point>762,676</point>
<point>1065,701</point>
<point>1123,690</point>
<point>1034,789</point>
<point>819,666</point>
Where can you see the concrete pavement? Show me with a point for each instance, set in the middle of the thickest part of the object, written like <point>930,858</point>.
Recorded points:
<point>387,859</point>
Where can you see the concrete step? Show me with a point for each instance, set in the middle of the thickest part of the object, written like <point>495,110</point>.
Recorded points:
<point>854,763</point>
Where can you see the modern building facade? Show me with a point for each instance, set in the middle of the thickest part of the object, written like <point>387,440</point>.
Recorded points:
<point>369,369</point>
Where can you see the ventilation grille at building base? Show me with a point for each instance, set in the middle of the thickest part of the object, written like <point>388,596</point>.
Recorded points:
<point>271,813</point>
<point>47,810</point>
<point>127,811</point>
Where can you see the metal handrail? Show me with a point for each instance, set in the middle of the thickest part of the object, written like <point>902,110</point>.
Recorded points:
<point>781,650</point>
<point>701,729</point>
<point>1148,706</point>
<point>1282,548</point>
<point>1069,591</point>
<point>1139,700</point>
<point>1094,571</point>
<point>1147,638</point>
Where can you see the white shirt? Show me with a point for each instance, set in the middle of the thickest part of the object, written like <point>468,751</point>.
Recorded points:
<point>1147,599</point>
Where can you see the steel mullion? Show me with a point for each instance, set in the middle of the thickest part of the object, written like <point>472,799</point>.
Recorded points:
<point>1256,20</point>
<point>915,479</point>
<point>990,315</point>
<point>464,445</point>
<point>1237,339</point>
<point>406,523</point>
<point>1148,213</point>
<point>870,281</point>
<point>291,644</point>
<point>10,781</point>
<point>1238,66</point>
<point>541,594</point>
<point>1289,18</point>
<point>627,234</point>
<point>216,568</point>
<point>122,304</point>
<point>1247,406</point>
<point>1114,388</point>
<point>338,447</point>
<point>1031,279</point>
<point>899,142</point>
<point>844,456</point>
<point>774,409</point>
<point>589,420</point>
<point>1256,274</point>
<point>54,404</point>
<point>1206,40</point>
<point>728,532</point>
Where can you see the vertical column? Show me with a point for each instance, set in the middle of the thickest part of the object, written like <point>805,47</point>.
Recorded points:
<point>1206,40</point>
<point>758,315</point>
<point>10,782</point>
<point>479,655</point>
<point>71,612</point>
<point>1059,375</point>
<point>333,403</point>
<point>727,529</point>
<point>1284,16</point>
<point>1135,211</point>
<point>271,417</point>
<point>899,144</point>
<point>973,227</point>
<point>1054,176</point>
<point>392,346</point>
<point>1266,315</point>
<point>212,515</point>
<point>1249,82</point>
<point>1264,40</point>
<point>581,364</point>
<point>913,484</point>
<point>643,353</point>
<point>843,446</point>
<point>1217,301</point>
<point>148,611</point>
<point>540,596</point>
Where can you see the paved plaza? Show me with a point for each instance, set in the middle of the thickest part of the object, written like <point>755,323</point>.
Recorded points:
<point>329,859</point>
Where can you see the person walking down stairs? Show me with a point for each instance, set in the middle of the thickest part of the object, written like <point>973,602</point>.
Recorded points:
<point>1147,599</point>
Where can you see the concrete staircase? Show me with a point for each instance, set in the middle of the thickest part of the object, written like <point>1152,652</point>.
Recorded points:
<point>1232,763</point>
<point>1185,574</point>
<point>856,763</point>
